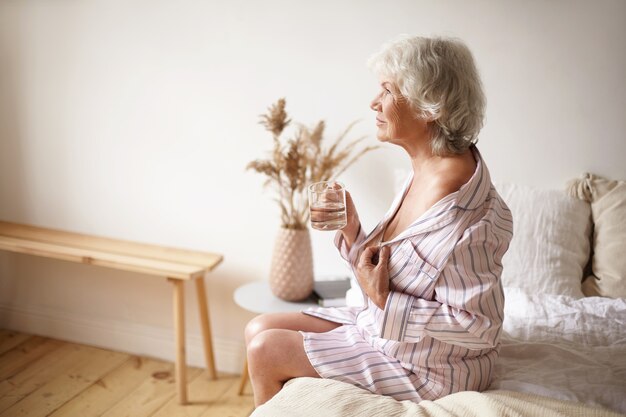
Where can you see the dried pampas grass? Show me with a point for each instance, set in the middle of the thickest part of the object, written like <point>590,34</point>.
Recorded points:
<point>300,162</point>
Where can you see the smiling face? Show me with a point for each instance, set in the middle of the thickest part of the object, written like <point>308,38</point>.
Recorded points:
<point>395,119</point>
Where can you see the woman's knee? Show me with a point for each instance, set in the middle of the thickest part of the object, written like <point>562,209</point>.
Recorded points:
<point>262,347</point>
<point>256,326</point>
<point>268,321</point>
<point>280,353</point>
<point>287,321</point>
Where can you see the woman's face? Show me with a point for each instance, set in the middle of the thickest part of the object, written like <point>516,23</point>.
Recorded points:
<point>395,119</point>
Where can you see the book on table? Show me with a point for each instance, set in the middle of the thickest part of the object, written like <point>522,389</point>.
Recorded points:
<point>331,292</point>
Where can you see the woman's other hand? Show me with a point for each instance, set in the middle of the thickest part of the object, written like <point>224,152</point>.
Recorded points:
<point>374,277</point>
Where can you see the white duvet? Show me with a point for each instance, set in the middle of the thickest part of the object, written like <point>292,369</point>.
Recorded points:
<point>552,346</point>
<point>565,348</point>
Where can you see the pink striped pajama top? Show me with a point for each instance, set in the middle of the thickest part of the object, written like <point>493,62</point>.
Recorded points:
<point>439,331</point>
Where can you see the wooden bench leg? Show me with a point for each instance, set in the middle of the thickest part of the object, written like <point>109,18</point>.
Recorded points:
<point>206,327</point>
<point>179,332</point>
<point>244,377</point>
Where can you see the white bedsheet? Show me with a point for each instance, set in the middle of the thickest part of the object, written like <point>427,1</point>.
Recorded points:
<point>565,348</point>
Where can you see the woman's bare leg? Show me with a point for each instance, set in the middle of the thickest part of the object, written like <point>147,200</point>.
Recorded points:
<point>287,321</point>
<point>276,350</point>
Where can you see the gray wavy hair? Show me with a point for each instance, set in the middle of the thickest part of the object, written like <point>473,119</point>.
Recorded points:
<point>439,79</point>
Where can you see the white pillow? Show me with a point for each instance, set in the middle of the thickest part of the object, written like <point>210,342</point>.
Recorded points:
<point>551,240</point>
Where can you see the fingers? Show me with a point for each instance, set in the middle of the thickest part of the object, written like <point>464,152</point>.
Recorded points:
<point>326,193</point>
<point>375,256</point>
<point>374,278</point>
<point>383,255</point>
<point>369,252</point>
<point>331,196</point>
<point>366,256</point>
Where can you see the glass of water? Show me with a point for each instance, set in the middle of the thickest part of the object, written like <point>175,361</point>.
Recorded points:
<point>327,205</point>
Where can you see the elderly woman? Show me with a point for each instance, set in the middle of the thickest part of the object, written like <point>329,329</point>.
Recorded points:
<point>430,270</point>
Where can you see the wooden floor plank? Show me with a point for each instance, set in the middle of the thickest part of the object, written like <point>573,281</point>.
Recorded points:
<point>35,374</point>
<point>5,333</point>
<point>16,359</point>
<point>109,390</point>
<point>231,404</point>
<point>203,392</point>
<point>41,371</point>
<point>10,339</point>
<point>48,377</point>
<point>150,395</point>
<point>88,367</point>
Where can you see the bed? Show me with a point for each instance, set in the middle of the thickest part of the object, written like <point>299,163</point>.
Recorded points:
<point>563,347</point>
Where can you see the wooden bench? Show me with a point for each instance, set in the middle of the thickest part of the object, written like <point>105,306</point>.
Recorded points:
<point>176,265</point>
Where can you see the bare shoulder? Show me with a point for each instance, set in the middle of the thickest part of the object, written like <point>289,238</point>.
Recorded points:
<point>452,175</point>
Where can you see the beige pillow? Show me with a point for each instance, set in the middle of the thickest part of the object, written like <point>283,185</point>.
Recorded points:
<point>608,211</point>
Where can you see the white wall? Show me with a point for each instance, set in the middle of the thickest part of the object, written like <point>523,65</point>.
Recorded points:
<point>135,120</point>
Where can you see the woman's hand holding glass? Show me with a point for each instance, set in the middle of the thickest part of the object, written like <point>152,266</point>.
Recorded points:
<point>331,208</point>
<point>327,205</point>
<point>351,229</point>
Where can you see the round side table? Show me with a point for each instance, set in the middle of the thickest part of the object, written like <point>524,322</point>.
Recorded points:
<point>257,297</point>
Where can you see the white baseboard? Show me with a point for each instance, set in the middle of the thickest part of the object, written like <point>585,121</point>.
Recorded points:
<point>134,338</point>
